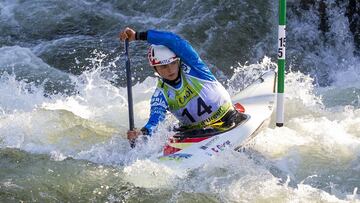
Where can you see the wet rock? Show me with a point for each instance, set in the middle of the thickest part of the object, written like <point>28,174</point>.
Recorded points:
<point>353,14</point>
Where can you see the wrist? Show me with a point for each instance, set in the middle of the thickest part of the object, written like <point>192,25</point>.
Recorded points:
<point>137,35</point>
<point>141,36</point>
<point>144,131</point>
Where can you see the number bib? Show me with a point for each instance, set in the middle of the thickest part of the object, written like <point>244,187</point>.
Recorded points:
<point>196,103</point>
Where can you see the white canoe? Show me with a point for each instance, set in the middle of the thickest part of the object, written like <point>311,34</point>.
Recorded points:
<point>258,100</point>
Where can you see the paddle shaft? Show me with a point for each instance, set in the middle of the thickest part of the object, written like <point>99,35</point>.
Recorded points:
<point>129,87</point>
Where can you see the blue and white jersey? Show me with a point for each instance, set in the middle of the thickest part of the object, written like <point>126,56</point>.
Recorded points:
<point>206,100</point>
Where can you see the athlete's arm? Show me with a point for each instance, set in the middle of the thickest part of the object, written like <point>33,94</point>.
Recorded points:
<point>179,46</point>
<point>158,110</point>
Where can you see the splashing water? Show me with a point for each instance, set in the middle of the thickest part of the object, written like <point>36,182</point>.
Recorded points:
<point>63,129</point>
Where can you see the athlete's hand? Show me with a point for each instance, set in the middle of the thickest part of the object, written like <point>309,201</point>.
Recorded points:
<point>132,135</point>
<point>127,33</point>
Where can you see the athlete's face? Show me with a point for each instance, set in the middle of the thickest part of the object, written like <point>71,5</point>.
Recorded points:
<point>169,71</point>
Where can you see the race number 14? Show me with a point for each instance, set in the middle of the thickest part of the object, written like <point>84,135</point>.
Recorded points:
<point>202,108</point>
<point>281,42</point>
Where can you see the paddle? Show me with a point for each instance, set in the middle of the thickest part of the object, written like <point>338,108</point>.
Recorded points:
<point>129,90</point>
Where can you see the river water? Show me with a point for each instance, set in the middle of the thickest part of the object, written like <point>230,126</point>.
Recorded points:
<point>63,106</point>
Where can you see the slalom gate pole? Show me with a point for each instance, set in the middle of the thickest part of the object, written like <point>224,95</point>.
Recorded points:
<point>281,64</point>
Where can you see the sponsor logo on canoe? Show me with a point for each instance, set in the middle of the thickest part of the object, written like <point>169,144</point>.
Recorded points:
<point>221,147</point>
<point>205,146</point>
<point>176,157</point>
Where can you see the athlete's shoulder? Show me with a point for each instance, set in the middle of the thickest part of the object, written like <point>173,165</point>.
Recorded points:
<point>201,73</point>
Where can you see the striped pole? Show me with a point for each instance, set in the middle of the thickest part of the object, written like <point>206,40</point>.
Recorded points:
<point>281,64</point>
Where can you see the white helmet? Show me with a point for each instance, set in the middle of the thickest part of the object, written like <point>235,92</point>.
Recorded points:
<point>160,55</point>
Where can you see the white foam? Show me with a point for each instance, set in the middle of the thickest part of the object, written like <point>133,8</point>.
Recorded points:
<point>19,96</point>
